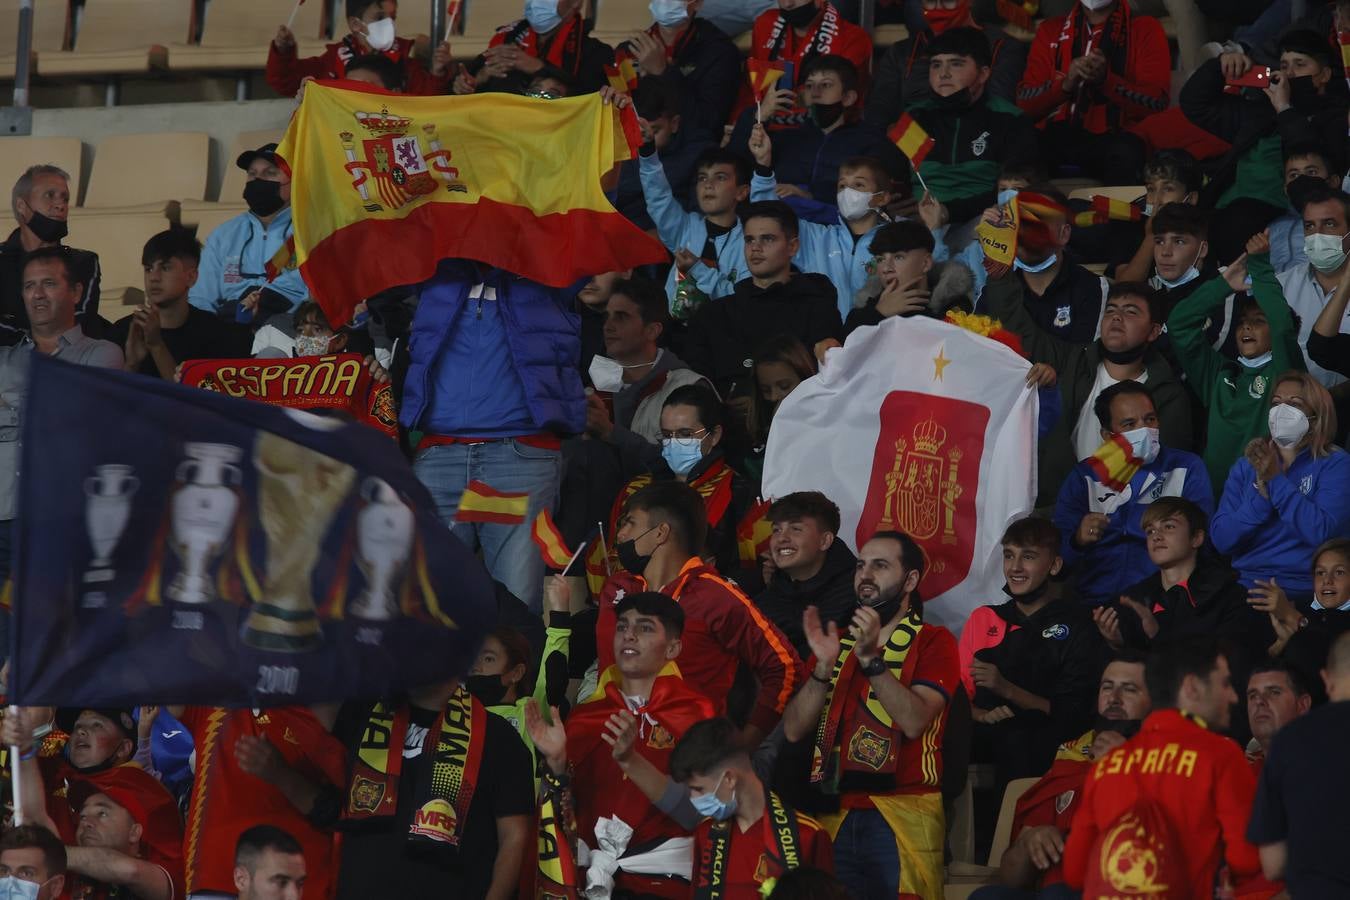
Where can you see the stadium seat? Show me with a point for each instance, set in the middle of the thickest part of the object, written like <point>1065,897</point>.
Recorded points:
<point>118,240</point>
<point>207,214</point>
<point>967,875</point>
<point>18,153</point>
<point>883,36</point>
<point>178,160</point>
<point>122,37</point>
<point>1127,192</point>
<point>616,20</point>
<point>236,35</point>
<point>482,18</point>
<point>51,30</point>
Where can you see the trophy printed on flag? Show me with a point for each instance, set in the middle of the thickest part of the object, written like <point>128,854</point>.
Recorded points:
<point>107,507</point>
<point>298,491</point>
<point>384,539</point>
<point>202,513</point>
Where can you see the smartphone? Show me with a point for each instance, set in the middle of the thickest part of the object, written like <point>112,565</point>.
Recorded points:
<point>1255,77</point>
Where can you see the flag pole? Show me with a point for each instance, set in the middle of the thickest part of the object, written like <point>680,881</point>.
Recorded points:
<point>604,549</point>
<point>15,780</point>
<point>571,562</point>
<point>294,10</point>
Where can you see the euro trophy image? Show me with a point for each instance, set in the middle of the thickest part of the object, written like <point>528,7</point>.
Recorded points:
<point>107,507</point>
<point>298,491</point>
<point>384,539</point>
<point>202,513</point>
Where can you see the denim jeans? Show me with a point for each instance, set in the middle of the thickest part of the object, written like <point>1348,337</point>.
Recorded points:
<point>866,859</point>
<point>6,571</point>
<point>509,553</point>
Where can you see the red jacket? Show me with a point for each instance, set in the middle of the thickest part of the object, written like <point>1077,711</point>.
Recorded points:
<point>1054,800</point>
<point>285,70</point>
<point>1200,781</point>
<point>830,33</point>
<point>1138,80</point>
<point>722,629</point>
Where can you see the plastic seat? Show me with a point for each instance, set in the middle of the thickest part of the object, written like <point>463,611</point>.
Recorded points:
<point>51,30</point>
<point>482,18</point>
<point>616,20</point>
<point>198,213</point>
<point>122,37</point>
<point>118,240</point>
<point>883,36</point>
<point>236,35</point>
<point>18,153</point>
<point>178,159</point>
<point>961,876</point>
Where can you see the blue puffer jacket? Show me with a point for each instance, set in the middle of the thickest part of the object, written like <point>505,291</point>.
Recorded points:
<point>493,368</point>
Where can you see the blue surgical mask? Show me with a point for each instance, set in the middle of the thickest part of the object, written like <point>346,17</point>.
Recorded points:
<point>682,454</point>
<point>669,13</point>
<point>1038,267</point>
<point>1006,196</point>
<point>709,805</point>
<point>1256,362</point>
<point>12,888</point>
<point>1186,277</point>
<point>542,15</point>
<point>1148,210</point>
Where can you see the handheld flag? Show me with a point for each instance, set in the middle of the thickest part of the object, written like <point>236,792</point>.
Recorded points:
<point>1020,14</point>
<point>1343,39</point>
<point>294,10</point>
<point>282,260</point>
<point>552,546</point>
<point>480,503</point>
<point>999,241</point>
<point>452,9</point>
<point>430,178</point>
<point>213,551</point>
<point>764,74</point>
<point>622,75</point>
<point>557,871</point>
<point>753,532</point>
<point>1108,209</point>
<point>912,140</point>
<point>1114,463</point>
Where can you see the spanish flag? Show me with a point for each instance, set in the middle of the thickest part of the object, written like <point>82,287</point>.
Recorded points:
<point>1109,209</point>
<point>764,74</point>
<point>282,260</point>
<point>622,76</point>
<point>384,186</point>
<point>753,532</point>
<point>480,503</point>
<point>1343,39</point>
<point>552,547</point>
<point>912,140</point>
<point>1114,463</point>
<point>556,877</point>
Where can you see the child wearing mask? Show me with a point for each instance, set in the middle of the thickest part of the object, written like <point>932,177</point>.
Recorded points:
<point>1170,176</point>
<point>1235,392</point>
<point>371,26</point>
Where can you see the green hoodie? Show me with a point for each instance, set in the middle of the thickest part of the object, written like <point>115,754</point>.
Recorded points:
<point>1235,395</point>
<point>558,637</point>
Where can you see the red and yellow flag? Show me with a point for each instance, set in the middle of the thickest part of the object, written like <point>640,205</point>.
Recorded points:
<point>1108,209</point>
<point>1114,463</point>
<point>622,76</point>
<point>552,546</point>
<point>753,532</point>
<point>912,140</point>
<point>556,878</point>
<point>480,503</point>
<point>282,260</point>
<point>1343,39</point>
<point>764,74</point>
<point>384,186</point>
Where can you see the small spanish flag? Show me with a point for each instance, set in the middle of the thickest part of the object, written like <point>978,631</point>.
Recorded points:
<point>282,260</point>
<point>622,76</point>
<point>1343,39</point>
<point>1109,209</point>
<point>480,503</point>
<point>753,532</point>
<point>1114,463</point>
<point>764,74</point>
<point>1020,14</point>
<point>552,546</point>
<point>912,140</point>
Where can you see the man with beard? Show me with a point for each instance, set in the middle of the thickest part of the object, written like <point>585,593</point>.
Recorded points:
<point>875,708</point>
<point>1045,812</point>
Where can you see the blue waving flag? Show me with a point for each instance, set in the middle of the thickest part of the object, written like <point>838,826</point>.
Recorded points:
<point>178,546</point>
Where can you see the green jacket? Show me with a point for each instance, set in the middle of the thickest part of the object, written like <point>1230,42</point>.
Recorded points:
<point>557,639</point>
<point>1076,368</point>
<point>1234,394</point>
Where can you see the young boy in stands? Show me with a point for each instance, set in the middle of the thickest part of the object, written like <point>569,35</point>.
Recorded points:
<point>168,330</point>
<point>912,283</point>
<point>795,31</point>
<point>677,148</point>
<point>371,23</point>
<point>841,251</point>
<point>1029,663</point>
<point>1171,176</point>
<point>1305,165</point>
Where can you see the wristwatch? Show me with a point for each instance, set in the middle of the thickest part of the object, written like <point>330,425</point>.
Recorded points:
<point>873,668</point>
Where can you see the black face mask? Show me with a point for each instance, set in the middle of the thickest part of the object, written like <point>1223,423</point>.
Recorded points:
<point>1029,597</point>
<point>488,689</point>
<point>887,609</point>
<point>1302,91</point>
<point>1127,728</point>
<point>263,197</point>
<point>633,562</point>
<point>1122,357</point>
<point>826,114</point>
<point>960,100</point>
<point>47,229</point>
<point>799,16</point>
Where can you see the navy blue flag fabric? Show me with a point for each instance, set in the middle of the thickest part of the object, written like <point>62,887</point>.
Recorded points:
<point>178,546</point>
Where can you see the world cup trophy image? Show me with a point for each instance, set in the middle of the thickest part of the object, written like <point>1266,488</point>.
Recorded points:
<point>384,539</point>
<point>298,491</point>
<point>108,495</point>
<point>201,514</point>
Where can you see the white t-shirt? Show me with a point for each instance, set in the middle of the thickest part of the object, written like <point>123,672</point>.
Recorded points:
<point>1087,434</point>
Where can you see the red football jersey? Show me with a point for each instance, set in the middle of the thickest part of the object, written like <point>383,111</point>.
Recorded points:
<point>754,856</point>
<point>226,800</point>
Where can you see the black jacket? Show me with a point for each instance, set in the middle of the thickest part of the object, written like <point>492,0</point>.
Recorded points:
<point>1069,309</point>
<point>723,336</point>
<point>950,286</point>
<point>13,316</point>
<point>588,78</point>
<point>830,591</point>
<point>706,76</point>
<point>1211,603</point>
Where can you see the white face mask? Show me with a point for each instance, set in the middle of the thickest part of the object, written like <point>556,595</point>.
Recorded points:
<point>1144,443</point>
<point>380,35</point>
<point>12,888</point>
<point>1186,277</point>
<point>312,345</point>
<point>1148,210</point>
<point>607,375</point>
<point>1324,251</point>
<point>1035,267</point>
<point>542,15</point>
<point>1288,425</point>
<point>1256,362</point>
<point>853,204</point>
<point>669,13</point>
<point>1094,5</point>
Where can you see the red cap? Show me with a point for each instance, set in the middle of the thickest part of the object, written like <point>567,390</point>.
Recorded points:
<point>139,793</point>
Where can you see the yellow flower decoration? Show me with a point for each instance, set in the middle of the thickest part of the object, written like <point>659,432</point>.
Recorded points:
<point>971,322</point>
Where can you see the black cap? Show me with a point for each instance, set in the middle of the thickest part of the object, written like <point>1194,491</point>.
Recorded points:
<point>66,717</point>
<point>1309,43</point>
<point>266,151</point>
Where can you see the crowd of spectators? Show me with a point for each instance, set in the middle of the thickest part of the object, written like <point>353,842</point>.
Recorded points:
<point>787,724</point>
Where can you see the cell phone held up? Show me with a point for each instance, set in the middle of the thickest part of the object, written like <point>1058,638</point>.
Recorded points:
<point>1256,77</point>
